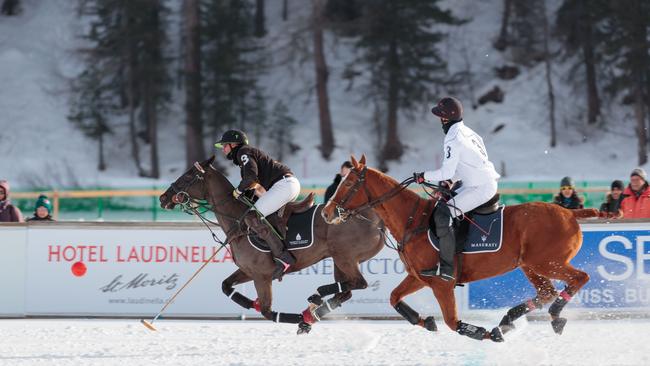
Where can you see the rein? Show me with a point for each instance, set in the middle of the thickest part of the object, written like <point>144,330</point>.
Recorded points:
<point>345,213</point>
<point>190,206</point>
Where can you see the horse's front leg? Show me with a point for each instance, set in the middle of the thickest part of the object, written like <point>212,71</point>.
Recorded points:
<point>265,298</point>
<point>408,286</point>
<point>227,286</point>
<point>444,293</point>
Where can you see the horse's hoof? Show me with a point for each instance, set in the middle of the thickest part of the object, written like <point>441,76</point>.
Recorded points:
<point>315,299</point>
<point>496,335</point>
<point>303,328</point>
<point>558,325</point>
<point>430,324</point>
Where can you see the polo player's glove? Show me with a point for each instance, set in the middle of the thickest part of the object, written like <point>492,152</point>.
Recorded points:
<point>418,177</point>
<point>236,193</point>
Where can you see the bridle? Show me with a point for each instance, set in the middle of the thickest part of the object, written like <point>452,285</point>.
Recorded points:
<point>344,212</point>
<point>192,205</point>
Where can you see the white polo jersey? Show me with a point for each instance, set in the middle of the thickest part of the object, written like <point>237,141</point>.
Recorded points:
<point>464,158</point>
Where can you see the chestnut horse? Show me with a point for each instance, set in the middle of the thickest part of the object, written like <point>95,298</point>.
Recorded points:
<point>540,238</point>
<point>348,245</point>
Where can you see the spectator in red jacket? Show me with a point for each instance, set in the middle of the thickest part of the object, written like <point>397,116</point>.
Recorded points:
<point>8,212</point>
<point>637,203</point>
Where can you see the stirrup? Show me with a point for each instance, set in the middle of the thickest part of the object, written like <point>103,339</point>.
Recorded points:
<point>281,268</point>
<point>435,272</point>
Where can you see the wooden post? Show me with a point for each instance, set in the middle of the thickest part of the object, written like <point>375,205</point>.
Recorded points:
<point>55,200</point>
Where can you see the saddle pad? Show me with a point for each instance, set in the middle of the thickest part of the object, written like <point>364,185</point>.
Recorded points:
<point>300,234</point>
<point>484,240</point>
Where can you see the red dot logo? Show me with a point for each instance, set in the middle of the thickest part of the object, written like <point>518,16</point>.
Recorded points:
<point>78,269</point>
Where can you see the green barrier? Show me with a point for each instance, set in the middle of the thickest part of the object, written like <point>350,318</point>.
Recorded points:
<point>147,208</point>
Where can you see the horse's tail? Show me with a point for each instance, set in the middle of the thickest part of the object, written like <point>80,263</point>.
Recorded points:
<point>585,213</point>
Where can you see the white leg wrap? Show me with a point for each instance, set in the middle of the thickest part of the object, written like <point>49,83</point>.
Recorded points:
<point>328,305</point>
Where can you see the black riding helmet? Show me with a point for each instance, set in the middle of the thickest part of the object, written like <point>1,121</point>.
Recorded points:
<point>232,137</point>
<point>449,108</point>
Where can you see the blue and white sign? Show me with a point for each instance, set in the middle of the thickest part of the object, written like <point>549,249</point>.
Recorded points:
<point>616,257</point>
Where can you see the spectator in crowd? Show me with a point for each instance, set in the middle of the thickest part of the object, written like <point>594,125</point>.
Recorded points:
<point>8,212</point>
<point>637,203</point>
<point>42,209</point>
<point>612,205</point>
<point>568,198</point>
<point>345,169</point>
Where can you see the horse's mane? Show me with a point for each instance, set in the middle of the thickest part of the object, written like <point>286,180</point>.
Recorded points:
<point>220,176</point>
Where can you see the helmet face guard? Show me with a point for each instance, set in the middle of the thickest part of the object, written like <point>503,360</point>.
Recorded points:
<point>232,137</point>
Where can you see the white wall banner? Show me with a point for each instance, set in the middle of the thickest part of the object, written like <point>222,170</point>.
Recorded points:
<point>122,269</point>
<point>12,269</point>
<point>100,270</point>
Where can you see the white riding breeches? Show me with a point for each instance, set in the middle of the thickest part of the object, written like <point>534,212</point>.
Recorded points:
<point>469,198</point>
<point>282,192</point>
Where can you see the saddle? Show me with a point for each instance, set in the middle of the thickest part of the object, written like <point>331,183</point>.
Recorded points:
<point>462,226</point>
<point>295,223</point>
<point>280,219</point>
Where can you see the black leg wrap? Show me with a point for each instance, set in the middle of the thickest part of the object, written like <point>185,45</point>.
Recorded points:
<point>315,299</point>
<point>407,313</point>
<point>557,306</point>
<point>242,300</point>
<point>333,288</point>
<point>227,288</point>
<point>286,318</point>
<point>471,331</point>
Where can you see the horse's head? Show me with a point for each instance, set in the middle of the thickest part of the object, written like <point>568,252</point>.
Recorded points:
<point>188,186</point>
<point>348,195</point>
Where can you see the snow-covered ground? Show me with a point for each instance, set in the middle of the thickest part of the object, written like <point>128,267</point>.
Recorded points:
<point>126,342</point>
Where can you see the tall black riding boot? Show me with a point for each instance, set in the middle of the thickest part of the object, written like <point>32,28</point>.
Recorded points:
<point>283,259</point>
<point>446,232</point>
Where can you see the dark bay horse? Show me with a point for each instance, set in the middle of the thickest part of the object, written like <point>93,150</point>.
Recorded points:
<point>347,245</point>
<point>539,238</point>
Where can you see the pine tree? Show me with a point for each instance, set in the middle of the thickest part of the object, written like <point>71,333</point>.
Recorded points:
<point>126,57</point>
<point>326,133</point>
<point>626,54</point>
<point>577,25</point>
<point>91,108</point>
<point>399,52</point>
<point>10,7</point>
<point>281,129</point>
<point>194,149</point>
<point>231,63</point>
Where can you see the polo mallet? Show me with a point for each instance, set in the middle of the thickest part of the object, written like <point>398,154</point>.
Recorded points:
<point>149,324</point>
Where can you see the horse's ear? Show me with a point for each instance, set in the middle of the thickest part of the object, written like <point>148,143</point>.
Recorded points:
<point>362,161</point>
<point>354,162</point>
<point>211,159</point>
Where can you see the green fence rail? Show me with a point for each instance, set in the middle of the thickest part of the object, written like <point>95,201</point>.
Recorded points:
<point>147,208</point>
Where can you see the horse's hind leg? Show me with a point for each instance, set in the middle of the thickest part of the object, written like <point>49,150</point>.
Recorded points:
<point>348,278</point>
<point>408,286</point>
<point>545,294</point>
<point>574,279</point>
<point>238,277</point>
